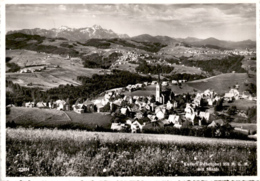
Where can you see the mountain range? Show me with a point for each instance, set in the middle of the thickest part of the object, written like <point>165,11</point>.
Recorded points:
<point>97,32</point>
<point>80,34</point>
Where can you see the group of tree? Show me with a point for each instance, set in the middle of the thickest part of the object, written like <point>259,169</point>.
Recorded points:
<point>225,65</point>
<point>106,43</point>
<point>251,113</point>
<point>185,76</point>
<point>96,60</point>
<point>146,68</point>
<point>13,67</point>
<point>251,88</point>
<point>33,42</point>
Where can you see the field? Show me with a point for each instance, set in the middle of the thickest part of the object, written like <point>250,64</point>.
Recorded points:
<point>181,69</point>
<point>79,153</point>
<point>128,67</point>
<point>249,126</point>
<point>151,90</point>
<point>39,118</point>
<point>51,77</point>
<point>242,104</point>
<point>222,82</point>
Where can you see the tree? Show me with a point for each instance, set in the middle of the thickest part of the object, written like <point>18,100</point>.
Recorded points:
<point>232,110</point>
<point>219,105</point>
<point>152,99</point>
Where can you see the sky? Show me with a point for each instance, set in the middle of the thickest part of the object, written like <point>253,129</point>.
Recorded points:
<point>234,22</point>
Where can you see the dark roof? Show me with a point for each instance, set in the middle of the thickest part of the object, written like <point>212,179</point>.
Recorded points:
<point>165,88</point>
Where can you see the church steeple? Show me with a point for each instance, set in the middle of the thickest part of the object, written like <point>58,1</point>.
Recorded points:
<point>158,89</point>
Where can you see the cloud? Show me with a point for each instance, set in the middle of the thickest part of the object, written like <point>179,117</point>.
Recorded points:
<point>154,17</point>
<point>62,7</point>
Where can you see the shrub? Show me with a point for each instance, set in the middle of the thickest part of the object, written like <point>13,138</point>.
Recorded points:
<point>13,67</point>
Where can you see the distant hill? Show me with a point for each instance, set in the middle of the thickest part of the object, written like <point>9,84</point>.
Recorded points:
<point>97,32</point>
<point>80,34</point>
<point>39,43</point>
<point>189,39</point>
<point>213,42</point>
<point>149,38</point>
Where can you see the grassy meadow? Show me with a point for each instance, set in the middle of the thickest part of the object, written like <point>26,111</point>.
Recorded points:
<point>44,152</point>
<point>51,118</point>
<point>222,82</point>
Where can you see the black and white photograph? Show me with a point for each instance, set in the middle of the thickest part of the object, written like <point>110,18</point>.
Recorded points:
<point>130,90</point>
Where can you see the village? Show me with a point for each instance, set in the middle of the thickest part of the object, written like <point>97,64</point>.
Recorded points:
<point>164,109</point>
<point>222,52</point>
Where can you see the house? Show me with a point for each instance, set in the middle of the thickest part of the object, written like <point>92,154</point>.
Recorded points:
<point>233,93</point>
<point>41,104</point>
<point>79,108</point>
<point>89,106</point>
<point>146,83</point>
<point>139,85</point>
<point>175,104</point>
<point>99,107</point>
<point>164,83</point>
<point>208,93</point>
<point>124,111</point>
<point>10,105</point>
<point>29,104</point>
<point>118,102</point>
<point>136,108</point>
<point>154,82</point>
<point>139,115</point>
<point>136,126</point>
<point>204,115</point>
<point>175,119</point>
<point>60,105</point>
<point>245,95</point>
<point>189,113</point>
<point>197,99</point>
<point>210,101</point>
<point>117,126</point>
<point>169,105</point>
<point>177,125</point>
<point>175,82</point>
<point>160,112</point>
<point>151,117</point>
<point>104,101</point>
<point>215,123</point>
<point>228,96</point>
<point>165,122</point>
<point>129,121</point>
<point>160,115</point>
<point>25,71</point>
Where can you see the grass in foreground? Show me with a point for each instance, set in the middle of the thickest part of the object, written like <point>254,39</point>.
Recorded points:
<point>76,153</point>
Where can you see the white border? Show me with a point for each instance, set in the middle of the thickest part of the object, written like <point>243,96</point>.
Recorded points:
<point>2,101</point>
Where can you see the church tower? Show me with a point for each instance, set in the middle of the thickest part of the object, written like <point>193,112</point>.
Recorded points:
<point>158,90</point>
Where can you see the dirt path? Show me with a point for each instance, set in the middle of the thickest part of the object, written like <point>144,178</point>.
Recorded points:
<point>67,116</point>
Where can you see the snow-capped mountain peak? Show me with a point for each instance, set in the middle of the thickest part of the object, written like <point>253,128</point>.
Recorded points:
<point>97,27</point>
<point>77,34</point>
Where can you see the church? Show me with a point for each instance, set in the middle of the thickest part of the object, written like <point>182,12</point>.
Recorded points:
<point>163,93</point>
